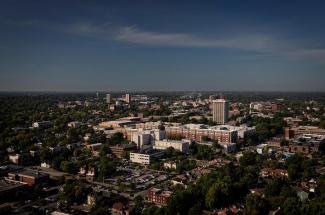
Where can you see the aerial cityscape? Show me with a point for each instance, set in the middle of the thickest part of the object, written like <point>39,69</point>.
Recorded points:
<point>162,107</point>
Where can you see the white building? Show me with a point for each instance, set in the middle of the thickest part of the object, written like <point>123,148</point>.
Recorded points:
<point>260,148</point>
<point>220,111</point>
<point>74,124</point>
<point>182,146</point>
<point>142,138</point>
<point>159,134</point>
<point>145,138</point>
<point>140,158</point>
<point>15,158</point>
<point>45,165</point>
<point>145,158</point>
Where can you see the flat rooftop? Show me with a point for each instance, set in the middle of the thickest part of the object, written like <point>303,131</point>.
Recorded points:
<point>7,184</point>
<point>30,173</point>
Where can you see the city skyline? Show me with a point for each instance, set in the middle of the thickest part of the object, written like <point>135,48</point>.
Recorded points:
<point>162,46</point>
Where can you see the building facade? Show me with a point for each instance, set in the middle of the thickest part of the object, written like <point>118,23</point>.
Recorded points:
<point>182,146</point>
<point>145,158</point>
<point>222,135</point>
<point>220,111</point>
<point>29,177</point>
<point>290,133</point>
<point>158,197</point>
<point>108,98</point>
<point>127,98</point>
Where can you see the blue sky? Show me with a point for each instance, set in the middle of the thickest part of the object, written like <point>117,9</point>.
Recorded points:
<point>230,45</point>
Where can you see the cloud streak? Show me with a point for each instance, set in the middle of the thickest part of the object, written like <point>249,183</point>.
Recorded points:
<point>310,53</point>
<point>253,41</point>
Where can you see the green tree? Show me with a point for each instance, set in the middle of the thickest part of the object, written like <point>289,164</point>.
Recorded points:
<point>273,188</point>
<point>98,211</point>
<point>291,206</point>
<point>213,197</point>
<point>104,150</point>
<point>106,168</point>
<point>68,166</point>
<point>116,138</point>
<point>195,210</point>
<point>138,205</point>
<point>248,158</point>
<point>153,210</point>
<point>45,154</point>
<point>255,205</point>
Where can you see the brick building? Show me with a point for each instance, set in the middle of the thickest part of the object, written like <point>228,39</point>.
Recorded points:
<point>290,133</point>
<point>30,177</point>
<point>222,135</point>
<point>158,197</point>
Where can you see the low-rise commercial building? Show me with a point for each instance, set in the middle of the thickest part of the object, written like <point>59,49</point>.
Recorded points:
<point>10,188</point>
<point>290,133</point>
<point>5,169</point>
<point>182,145</point>
<point>30,177</point>
<point>145,158</point>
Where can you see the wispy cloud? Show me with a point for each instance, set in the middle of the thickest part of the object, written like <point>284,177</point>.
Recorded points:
<point>310,53</point>
<point>247,41</point>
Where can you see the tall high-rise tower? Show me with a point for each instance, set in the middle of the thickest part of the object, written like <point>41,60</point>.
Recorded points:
<point>220,111</point>
<point>108,98</point>
<point>127,98</point>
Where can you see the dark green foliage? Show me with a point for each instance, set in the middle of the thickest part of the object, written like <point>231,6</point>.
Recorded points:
<point>45,155</point>
<point>273,188</point>
<point>195,210</point>
<point>185,165</point>
<point>314,207</point>
<point>69,167</point>
<point>116,138</point>
<point>106,168</point>
<point>73,191</point>
<point>298,167</point>
<point>98,211</point>
<point>249,158</point>
<point>153,210</point>
<point>255,205</point>
<point>138,205</point>
<point>291,206</point>
<point>202,152</point>
<point>266,128</point>
<point>220,188</point>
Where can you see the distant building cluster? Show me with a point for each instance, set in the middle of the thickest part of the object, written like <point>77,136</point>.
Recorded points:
<point>265,107</point>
